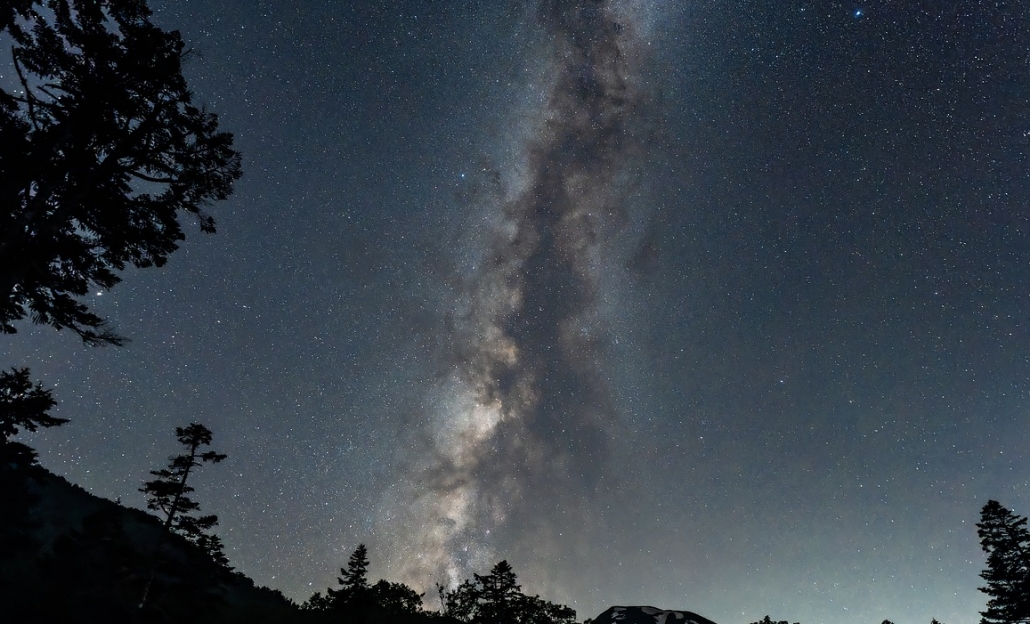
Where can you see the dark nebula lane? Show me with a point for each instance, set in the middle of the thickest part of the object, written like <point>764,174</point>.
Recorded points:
<point>523,435</point>
<point>718,306</point>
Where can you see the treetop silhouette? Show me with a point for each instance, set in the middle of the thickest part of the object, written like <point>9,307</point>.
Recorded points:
<point>360,602</point>
<point>169,492</point>
<point>1005,539</point>
<point>22,407</point>
<point>497,598</point>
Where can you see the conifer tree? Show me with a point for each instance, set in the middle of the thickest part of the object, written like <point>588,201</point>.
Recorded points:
<point>499,594</point>
<point>355,576</point>
<point>169,492</point>
<point>497,598</point>
<point>353,593</point>
<point>1005,539</point>
<point>358,602</point>
<point>22,407</point>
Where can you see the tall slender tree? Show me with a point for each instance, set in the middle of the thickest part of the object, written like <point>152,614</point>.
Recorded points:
<point>353,594</point>
<point>1005,539</point>
<point>356,601</point>
<point>500,594</point>
<point>355,576</point>
<point>169,494</point>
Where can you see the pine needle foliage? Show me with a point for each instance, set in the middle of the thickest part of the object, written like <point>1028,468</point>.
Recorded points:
<point>1005,539</point>
<point>169,492</point>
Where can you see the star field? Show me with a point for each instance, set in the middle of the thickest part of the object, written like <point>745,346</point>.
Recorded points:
<point>718,307</point>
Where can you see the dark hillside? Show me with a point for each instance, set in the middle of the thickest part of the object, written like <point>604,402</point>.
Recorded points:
<point>78,557</point>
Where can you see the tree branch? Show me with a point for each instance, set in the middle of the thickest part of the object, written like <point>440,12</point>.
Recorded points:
<point>29,98</point>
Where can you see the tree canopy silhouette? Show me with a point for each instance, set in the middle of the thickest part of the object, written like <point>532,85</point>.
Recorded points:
<point>1005,539</point>
<point>497,598</point>
<point>22,407</point>
<point>101,148</point>
<point>354,578</point>
<point>360,602</point>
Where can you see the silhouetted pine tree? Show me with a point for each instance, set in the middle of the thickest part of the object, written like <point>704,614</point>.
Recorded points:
<point>1005,539</point>
<point>355,577</point>
<point>169,494</point>
<point>499,595</point>
<point>497,598</point>
<point>358,602</point>
<point>353,593</point>
<point>395,599</point>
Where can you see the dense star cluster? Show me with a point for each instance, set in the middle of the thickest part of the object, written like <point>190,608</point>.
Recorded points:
<point>525,431</point>
<point>719,307</point>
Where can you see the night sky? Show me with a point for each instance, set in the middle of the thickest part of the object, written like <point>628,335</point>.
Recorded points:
<point>710,306</point>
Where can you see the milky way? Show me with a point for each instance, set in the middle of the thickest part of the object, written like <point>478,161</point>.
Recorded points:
<point>728,312</point>
<point>519,427</point>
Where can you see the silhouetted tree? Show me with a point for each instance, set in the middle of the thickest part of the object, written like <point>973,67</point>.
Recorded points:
<point>499,594</point>
<point>169,494</point>
<point>462,602</point>
<point>101,147</point>
<point>353,594</point>
<point>768,620</point>
<point>536,610</point>
<point>355,576</point>
<point>358,602</point>
<point>22,407</point>
<point>1005,539</point>
<point>497,598</point>
<point>395,599</point>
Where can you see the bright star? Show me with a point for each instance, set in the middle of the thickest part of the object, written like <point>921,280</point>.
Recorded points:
<point>859,13</point>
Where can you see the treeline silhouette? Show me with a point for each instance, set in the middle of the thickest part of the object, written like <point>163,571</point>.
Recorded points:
<point>70,556</point>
